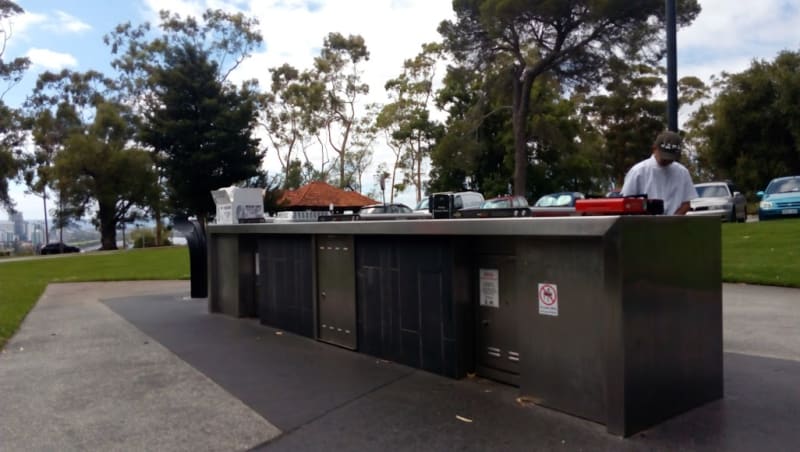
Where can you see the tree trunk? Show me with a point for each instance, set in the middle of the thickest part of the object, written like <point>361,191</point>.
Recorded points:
<point>520,154</point>
<point>108,227</point>
<point>157,215</point>
<point>522,82</point>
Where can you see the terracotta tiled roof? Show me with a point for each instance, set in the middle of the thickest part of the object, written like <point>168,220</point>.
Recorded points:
<point>321,195</point>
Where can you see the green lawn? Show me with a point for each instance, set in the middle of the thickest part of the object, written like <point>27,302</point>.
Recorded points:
<point>22,282</point>
<point>762,253</point>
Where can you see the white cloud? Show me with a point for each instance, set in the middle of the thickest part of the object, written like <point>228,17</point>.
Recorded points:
<point>51,60</point>
<point>20,25</point>
<point>60,23</point>
<point>727,36</point>
<point>67,23</point>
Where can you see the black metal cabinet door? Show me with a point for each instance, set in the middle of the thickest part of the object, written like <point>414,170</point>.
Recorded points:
<point>498,314</point>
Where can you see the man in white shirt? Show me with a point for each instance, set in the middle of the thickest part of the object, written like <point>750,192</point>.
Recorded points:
<point>662,177</point>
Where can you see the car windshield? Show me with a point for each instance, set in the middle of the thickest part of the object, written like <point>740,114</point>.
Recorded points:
<point>371,210</point>
<point>713,191</point>
<point>555,200</point>
<point>789,185</point>
<point>503,203</point>
<point>423,204</point>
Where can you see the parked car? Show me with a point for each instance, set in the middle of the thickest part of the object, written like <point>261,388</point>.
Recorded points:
<point>719,199</point>
<point>505,202</point>
<point>781,199</point>
<point>562,199</point>
<point>499,207</point>
<point>376,209</point>
<point>561,204</point>
<point>394,211</point>
<point>58,248</point>
<point>422,205</point>
<point>444,204</point>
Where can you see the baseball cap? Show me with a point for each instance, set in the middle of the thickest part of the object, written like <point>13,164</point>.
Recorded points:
<point>670,145</point>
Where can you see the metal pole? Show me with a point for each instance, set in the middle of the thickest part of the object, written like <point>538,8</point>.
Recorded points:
<point>672,67</point>
<point>46,233</point>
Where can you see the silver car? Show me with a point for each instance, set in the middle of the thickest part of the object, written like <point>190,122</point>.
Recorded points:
<point>719,199</point>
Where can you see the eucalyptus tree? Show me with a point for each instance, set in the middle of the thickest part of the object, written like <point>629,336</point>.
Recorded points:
<point>388,123</point>
<point>407,117</point>
<point>288,115</point>
<point>570,40</point>
<point>473,153</point>
<point>476,152</point>
<point>61,104</point>
<point>338,69</point>
<point>49,129</point>
<point>98,167</point>
<point>11,124</point>
<point>83,150</point>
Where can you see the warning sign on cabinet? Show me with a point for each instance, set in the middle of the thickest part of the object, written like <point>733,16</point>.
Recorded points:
<point>490,287</point>
<point>548,299</point>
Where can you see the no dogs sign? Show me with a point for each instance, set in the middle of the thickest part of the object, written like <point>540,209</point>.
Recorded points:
<point>548,299</point>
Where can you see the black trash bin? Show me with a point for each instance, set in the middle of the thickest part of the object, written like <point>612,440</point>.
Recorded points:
<point>198,252</point>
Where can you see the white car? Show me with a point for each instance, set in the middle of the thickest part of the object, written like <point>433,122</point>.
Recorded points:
<point>719,199</point>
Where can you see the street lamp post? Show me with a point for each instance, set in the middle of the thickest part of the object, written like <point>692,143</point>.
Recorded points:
<point>672,66</point>
<point>44,201</point>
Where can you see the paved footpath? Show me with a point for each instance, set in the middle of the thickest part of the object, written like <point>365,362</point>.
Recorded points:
<point>140,366</point>
<point>79,377</point>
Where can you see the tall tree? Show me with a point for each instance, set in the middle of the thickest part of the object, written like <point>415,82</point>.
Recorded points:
<point>472,155</point>
<point>751,131</point>
<point>11,133</point>
<point>50,131</point>
<point>407,116</point>
<point>204,129</point>
<point>387,122</point>
<point>477,151</point>
<point>288,114</point>
<point>570,40</point>
<point>141,54</point>
<point>338,68</point>
<point>97,168</point>
<point>60,105</point>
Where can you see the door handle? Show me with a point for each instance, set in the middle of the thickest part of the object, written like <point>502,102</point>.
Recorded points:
<point>323,294</point>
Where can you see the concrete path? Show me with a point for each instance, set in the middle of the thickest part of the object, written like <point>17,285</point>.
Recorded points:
<point>762,321</point>
<point>139,366</point>
<point>79,377</point>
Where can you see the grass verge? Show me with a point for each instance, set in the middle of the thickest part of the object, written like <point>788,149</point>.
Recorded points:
<point>765,252</point>
<point>23,282</point>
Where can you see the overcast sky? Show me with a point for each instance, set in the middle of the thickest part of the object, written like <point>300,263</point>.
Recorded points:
<point>727,36</point>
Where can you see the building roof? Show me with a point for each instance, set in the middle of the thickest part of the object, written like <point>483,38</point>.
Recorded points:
<point>319,195</point>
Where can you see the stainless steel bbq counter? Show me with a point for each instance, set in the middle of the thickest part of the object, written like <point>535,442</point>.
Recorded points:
<point>613,319</point>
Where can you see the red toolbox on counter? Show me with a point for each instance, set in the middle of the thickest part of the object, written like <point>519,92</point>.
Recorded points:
<point>626,205</point>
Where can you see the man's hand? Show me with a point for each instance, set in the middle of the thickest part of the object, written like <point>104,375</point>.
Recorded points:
<point>683,208</point>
